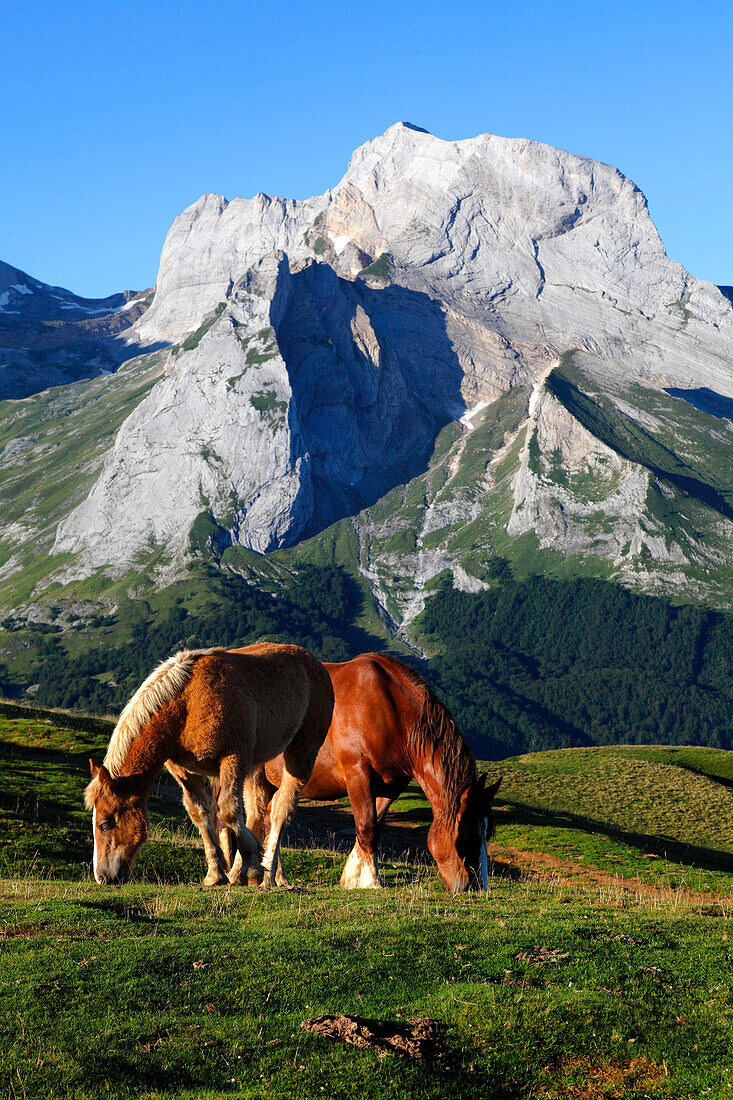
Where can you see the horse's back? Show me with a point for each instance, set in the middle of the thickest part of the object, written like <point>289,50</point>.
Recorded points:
<point>262,694</point>
<point>376,703</point>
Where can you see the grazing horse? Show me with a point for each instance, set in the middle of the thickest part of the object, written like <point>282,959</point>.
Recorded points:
<point>219,714</point>
<point>388,727</point>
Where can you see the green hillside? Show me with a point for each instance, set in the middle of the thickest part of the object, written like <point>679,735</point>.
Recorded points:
<point>653,807</point>
<point>53,446</point>
<point>528,664</point>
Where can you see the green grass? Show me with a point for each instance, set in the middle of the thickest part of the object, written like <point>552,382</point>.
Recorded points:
<point>196,337</point>
<point>266,402</point>
<point>380,269</point>
<point>658,814</point>
<point>162,989</point>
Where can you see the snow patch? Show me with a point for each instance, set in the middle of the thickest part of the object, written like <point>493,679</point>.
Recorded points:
<point>537,388</point>
<point>339,243</point>
<point>21,289</point>
<point>91,309</point>
<point>467,418</point>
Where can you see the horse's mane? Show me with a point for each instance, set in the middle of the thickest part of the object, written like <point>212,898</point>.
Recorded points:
<point>436,729</point>
<point>162,685</point>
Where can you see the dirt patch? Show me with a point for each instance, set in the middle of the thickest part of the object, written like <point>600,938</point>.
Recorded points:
<point>582,1079</point>
<point>416,1038</point>
<point>539,955</point>
<point>511,861</point>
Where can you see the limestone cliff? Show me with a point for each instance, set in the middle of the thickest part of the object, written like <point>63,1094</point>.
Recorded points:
<point>391,355</point>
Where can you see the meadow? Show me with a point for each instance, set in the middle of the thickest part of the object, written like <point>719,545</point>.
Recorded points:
<point>598,964</point>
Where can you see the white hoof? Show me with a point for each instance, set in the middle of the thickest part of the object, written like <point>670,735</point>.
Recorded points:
<point>360,872</point>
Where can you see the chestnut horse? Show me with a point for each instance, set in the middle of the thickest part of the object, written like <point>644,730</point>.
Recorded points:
<point>388,727</point>
<point>213,713</point>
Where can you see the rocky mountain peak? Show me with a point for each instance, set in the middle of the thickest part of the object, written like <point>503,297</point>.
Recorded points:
<point>488,322</point>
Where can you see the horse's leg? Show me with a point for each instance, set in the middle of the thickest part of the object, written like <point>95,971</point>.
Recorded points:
<point>383,803</point>
<point>227,839</point>
<point>361,869</point>
<point>257,793</point>
<point>299,758</point>
<point>198,802</point>
<point>283,804</point>
<point>247,871</point>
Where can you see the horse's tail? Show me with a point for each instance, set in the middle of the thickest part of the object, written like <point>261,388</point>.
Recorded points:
<point>163,684</point>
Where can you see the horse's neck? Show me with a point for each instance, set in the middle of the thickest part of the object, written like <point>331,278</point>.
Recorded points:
<point>146,755</point>
<point>427,769</point>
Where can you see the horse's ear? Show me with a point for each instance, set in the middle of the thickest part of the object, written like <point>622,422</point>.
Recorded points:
<point>100,778</point>
<point>100,773</point>
<point>490,792</point>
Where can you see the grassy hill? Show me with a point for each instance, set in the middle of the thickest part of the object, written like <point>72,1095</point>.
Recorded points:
<point>593,967</point>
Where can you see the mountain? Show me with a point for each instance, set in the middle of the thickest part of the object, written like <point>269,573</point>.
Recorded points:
<point>49,336</point>
<point>466,353</point>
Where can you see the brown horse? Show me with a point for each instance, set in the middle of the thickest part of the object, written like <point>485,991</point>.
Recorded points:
<point>210,714</point>
<point>388,727</point>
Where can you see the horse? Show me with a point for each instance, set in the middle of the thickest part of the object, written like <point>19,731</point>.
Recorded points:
<point>211,713</point>
<point>389,727</point>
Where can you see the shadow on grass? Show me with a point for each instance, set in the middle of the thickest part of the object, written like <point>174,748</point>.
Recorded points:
<point>708,859</point>
<point>31,804</point>
<point>457,1071</point>
<point>124,910</point>
<point>331,826</point>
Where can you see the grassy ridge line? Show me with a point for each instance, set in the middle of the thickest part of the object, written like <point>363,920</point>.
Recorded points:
<point>84,723</point>
<point>631,441</point>
<point>635,796</point>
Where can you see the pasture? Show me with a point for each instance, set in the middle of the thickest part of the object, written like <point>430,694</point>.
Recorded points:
<point>599,963</point>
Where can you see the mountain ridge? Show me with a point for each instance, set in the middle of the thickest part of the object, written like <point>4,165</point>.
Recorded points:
<point>51,336</point>
<point>463,350</point>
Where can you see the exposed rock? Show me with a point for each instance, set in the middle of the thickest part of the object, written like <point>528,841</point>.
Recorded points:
<point>322,347</point>
<point>49,336</point>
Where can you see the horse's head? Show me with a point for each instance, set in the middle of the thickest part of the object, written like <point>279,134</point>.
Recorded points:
<point>458,845</point>
<point>119,824</point>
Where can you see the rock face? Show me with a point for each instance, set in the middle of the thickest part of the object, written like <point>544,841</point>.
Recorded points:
<point>524,241</point>
<point>418,324</point>
<point>49,336</point>
<point>304,398</point>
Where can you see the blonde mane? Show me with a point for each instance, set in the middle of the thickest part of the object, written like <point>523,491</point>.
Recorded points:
<point>162,685</point>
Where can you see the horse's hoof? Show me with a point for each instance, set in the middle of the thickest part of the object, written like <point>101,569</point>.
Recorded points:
<point>215,878</point>
<point>255,877</point>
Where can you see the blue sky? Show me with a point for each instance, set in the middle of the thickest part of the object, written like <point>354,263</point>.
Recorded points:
<point>117,116</point>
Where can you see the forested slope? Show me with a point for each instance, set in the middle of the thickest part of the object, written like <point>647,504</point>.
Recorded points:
<point>538,664</point>
<point>527,664</point>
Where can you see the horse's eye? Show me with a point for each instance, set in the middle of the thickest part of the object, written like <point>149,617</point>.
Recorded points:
<point>108,823</point>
